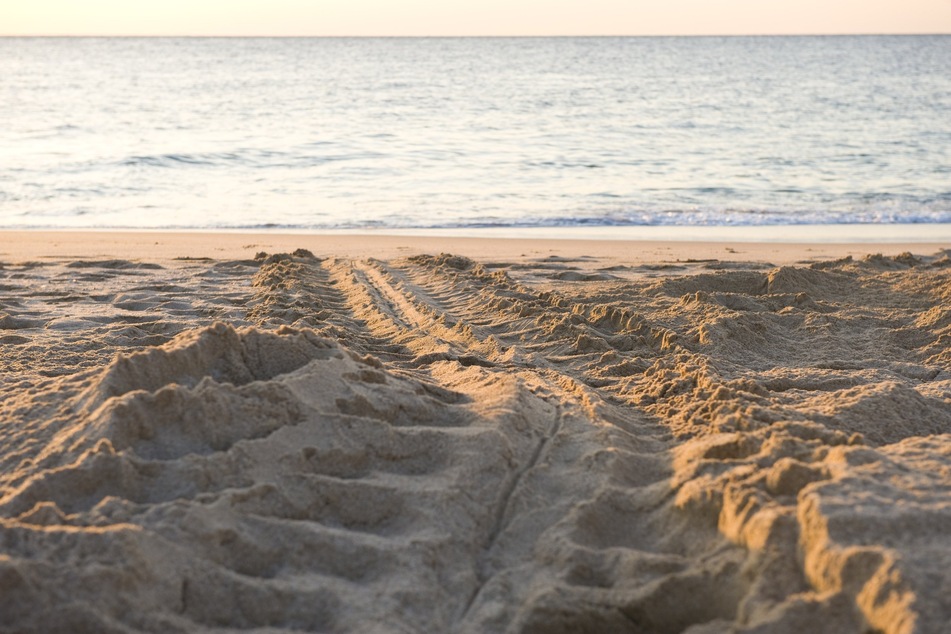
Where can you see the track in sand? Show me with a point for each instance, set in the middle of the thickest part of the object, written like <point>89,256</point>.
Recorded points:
<point>436,444</point>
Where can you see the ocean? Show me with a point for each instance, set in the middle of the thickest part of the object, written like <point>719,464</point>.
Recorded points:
<point>459,134</point>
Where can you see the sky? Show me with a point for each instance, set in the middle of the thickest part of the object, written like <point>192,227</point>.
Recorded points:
<point>471,17</point>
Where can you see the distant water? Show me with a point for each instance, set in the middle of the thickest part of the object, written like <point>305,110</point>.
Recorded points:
<point>464,133</point>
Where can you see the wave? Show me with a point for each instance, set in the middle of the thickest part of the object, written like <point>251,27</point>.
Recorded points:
<point>179,160</point>
<point>251,157</point>
<point>707,217</point>
<point>84,218</point>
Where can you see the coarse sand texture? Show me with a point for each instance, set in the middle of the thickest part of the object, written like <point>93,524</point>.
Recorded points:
<point>433,443</point>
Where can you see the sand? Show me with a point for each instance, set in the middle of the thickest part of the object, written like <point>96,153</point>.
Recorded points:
<point>210,433</point>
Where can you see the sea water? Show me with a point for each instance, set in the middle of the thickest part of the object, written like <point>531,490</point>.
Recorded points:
<point>465,133</point>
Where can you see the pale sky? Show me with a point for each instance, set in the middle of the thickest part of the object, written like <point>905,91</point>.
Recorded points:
<point>471,17</point>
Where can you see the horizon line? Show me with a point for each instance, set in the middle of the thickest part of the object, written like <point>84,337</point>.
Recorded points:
<point>653,35</point>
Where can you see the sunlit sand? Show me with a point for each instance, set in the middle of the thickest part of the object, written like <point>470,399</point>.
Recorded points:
<point>213,432</point>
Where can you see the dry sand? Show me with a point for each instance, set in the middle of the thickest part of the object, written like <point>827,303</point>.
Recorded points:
<point>541,436</point>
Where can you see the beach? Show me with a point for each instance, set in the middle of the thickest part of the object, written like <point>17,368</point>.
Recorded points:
<point>210,432</point>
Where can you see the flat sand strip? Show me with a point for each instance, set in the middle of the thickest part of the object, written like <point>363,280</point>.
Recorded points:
<point>220,432</point>
<point>159,245</point>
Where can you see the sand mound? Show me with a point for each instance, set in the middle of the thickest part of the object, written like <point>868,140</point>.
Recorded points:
<point>437,444</point>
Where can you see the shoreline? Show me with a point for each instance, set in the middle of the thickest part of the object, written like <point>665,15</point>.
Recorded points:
<point>18,245</point>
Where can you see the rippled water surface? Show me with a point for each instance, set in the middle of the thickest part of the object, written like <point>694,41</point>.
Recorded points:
<point>463,132</point>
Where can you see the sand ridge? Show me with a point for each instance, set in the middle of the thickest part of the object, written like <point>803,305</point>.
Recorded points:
<point>438,443</point>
